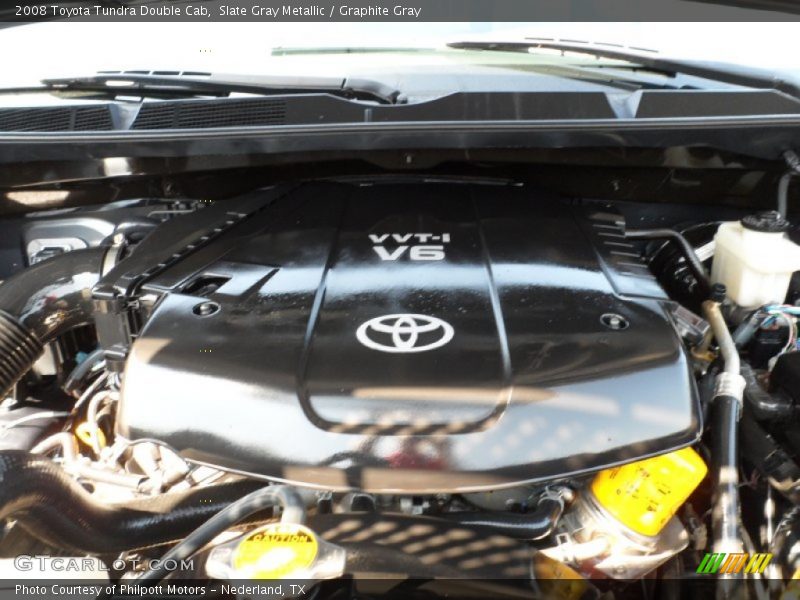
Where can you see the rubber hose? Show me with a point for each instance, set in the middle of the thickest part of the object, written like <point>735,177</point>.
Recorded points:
<point>765,406</point>
<point>524,526</point>
<point>293,512</point>
<point>50,505</point>
<point>725,450</point>
<point>41,303</point>
<point>692,261</point>
<point>19,349</point>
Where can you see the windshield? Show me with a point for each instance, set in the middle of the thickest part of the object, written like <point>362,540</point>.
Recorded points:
<point>279,48</point>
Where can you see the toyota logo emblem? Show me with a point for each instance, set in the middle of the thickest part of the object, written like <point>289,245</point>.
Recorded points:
<point>404,333</point>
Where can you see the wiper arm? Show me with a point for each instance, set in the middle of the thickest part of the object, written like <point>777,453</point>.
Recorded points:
<point>723,72</point>
<point>155,85</point>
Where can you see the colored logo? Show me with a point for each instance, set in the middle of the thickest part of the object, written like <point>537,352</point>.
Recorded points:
<point>404,333</point>
<point>722,563</point>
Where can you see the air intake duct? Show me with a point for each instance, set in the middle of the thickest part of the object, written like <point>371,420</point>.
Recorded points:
<point>41,303</point>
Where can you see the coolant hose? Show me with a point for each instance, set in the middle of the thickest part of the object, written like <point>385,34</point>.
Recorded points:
<point>765,406</point>
<point>726,406</point>
<point>293,512</point>
<point>42,302</point>
<point>525,526</point>
<point>50,505</point>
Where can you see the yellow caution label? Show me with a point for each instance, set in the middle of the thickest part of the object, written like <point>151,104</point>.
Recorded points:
<point>275,551</point>
<point>646,494</point>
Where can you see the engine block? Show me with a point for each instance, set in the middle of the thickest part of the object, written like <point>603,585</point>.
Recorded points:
<point>420,338</point>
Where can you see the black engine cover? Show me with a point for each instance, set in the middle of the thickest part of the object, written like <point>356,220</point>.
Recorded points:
<point>411,338</point>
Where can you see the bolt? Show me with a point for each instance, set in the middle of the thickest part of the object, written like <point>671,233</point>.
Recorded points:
<point>205,309</point>
<point>614,321</point>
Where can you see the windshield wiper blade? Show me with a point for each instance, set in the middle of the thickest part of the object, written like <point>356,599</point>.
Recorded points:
<point>728,73</point>
<point>155,85</point>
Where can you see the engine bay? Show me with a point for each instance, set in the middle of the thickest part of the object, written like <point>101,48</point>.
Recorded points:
<point>480,386</point>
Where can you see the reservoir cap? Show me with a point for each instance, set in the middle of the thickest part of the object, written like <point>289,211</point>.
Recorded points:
<point>768,221</point>
<point>277,551</point>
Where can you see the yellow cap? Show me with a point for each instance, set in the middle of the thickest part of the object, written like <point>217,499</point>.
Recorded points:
<point>645,495</point>
<point>274,551</point>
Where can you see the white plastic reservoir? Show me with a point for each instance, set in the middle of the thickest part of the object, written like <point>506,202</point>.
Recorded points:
<point>755,259</point>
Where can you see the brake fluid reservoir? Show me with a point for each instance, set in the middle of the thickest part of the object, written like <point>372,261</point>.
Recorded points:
<point>646,494</point>
<point>754,259</point>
